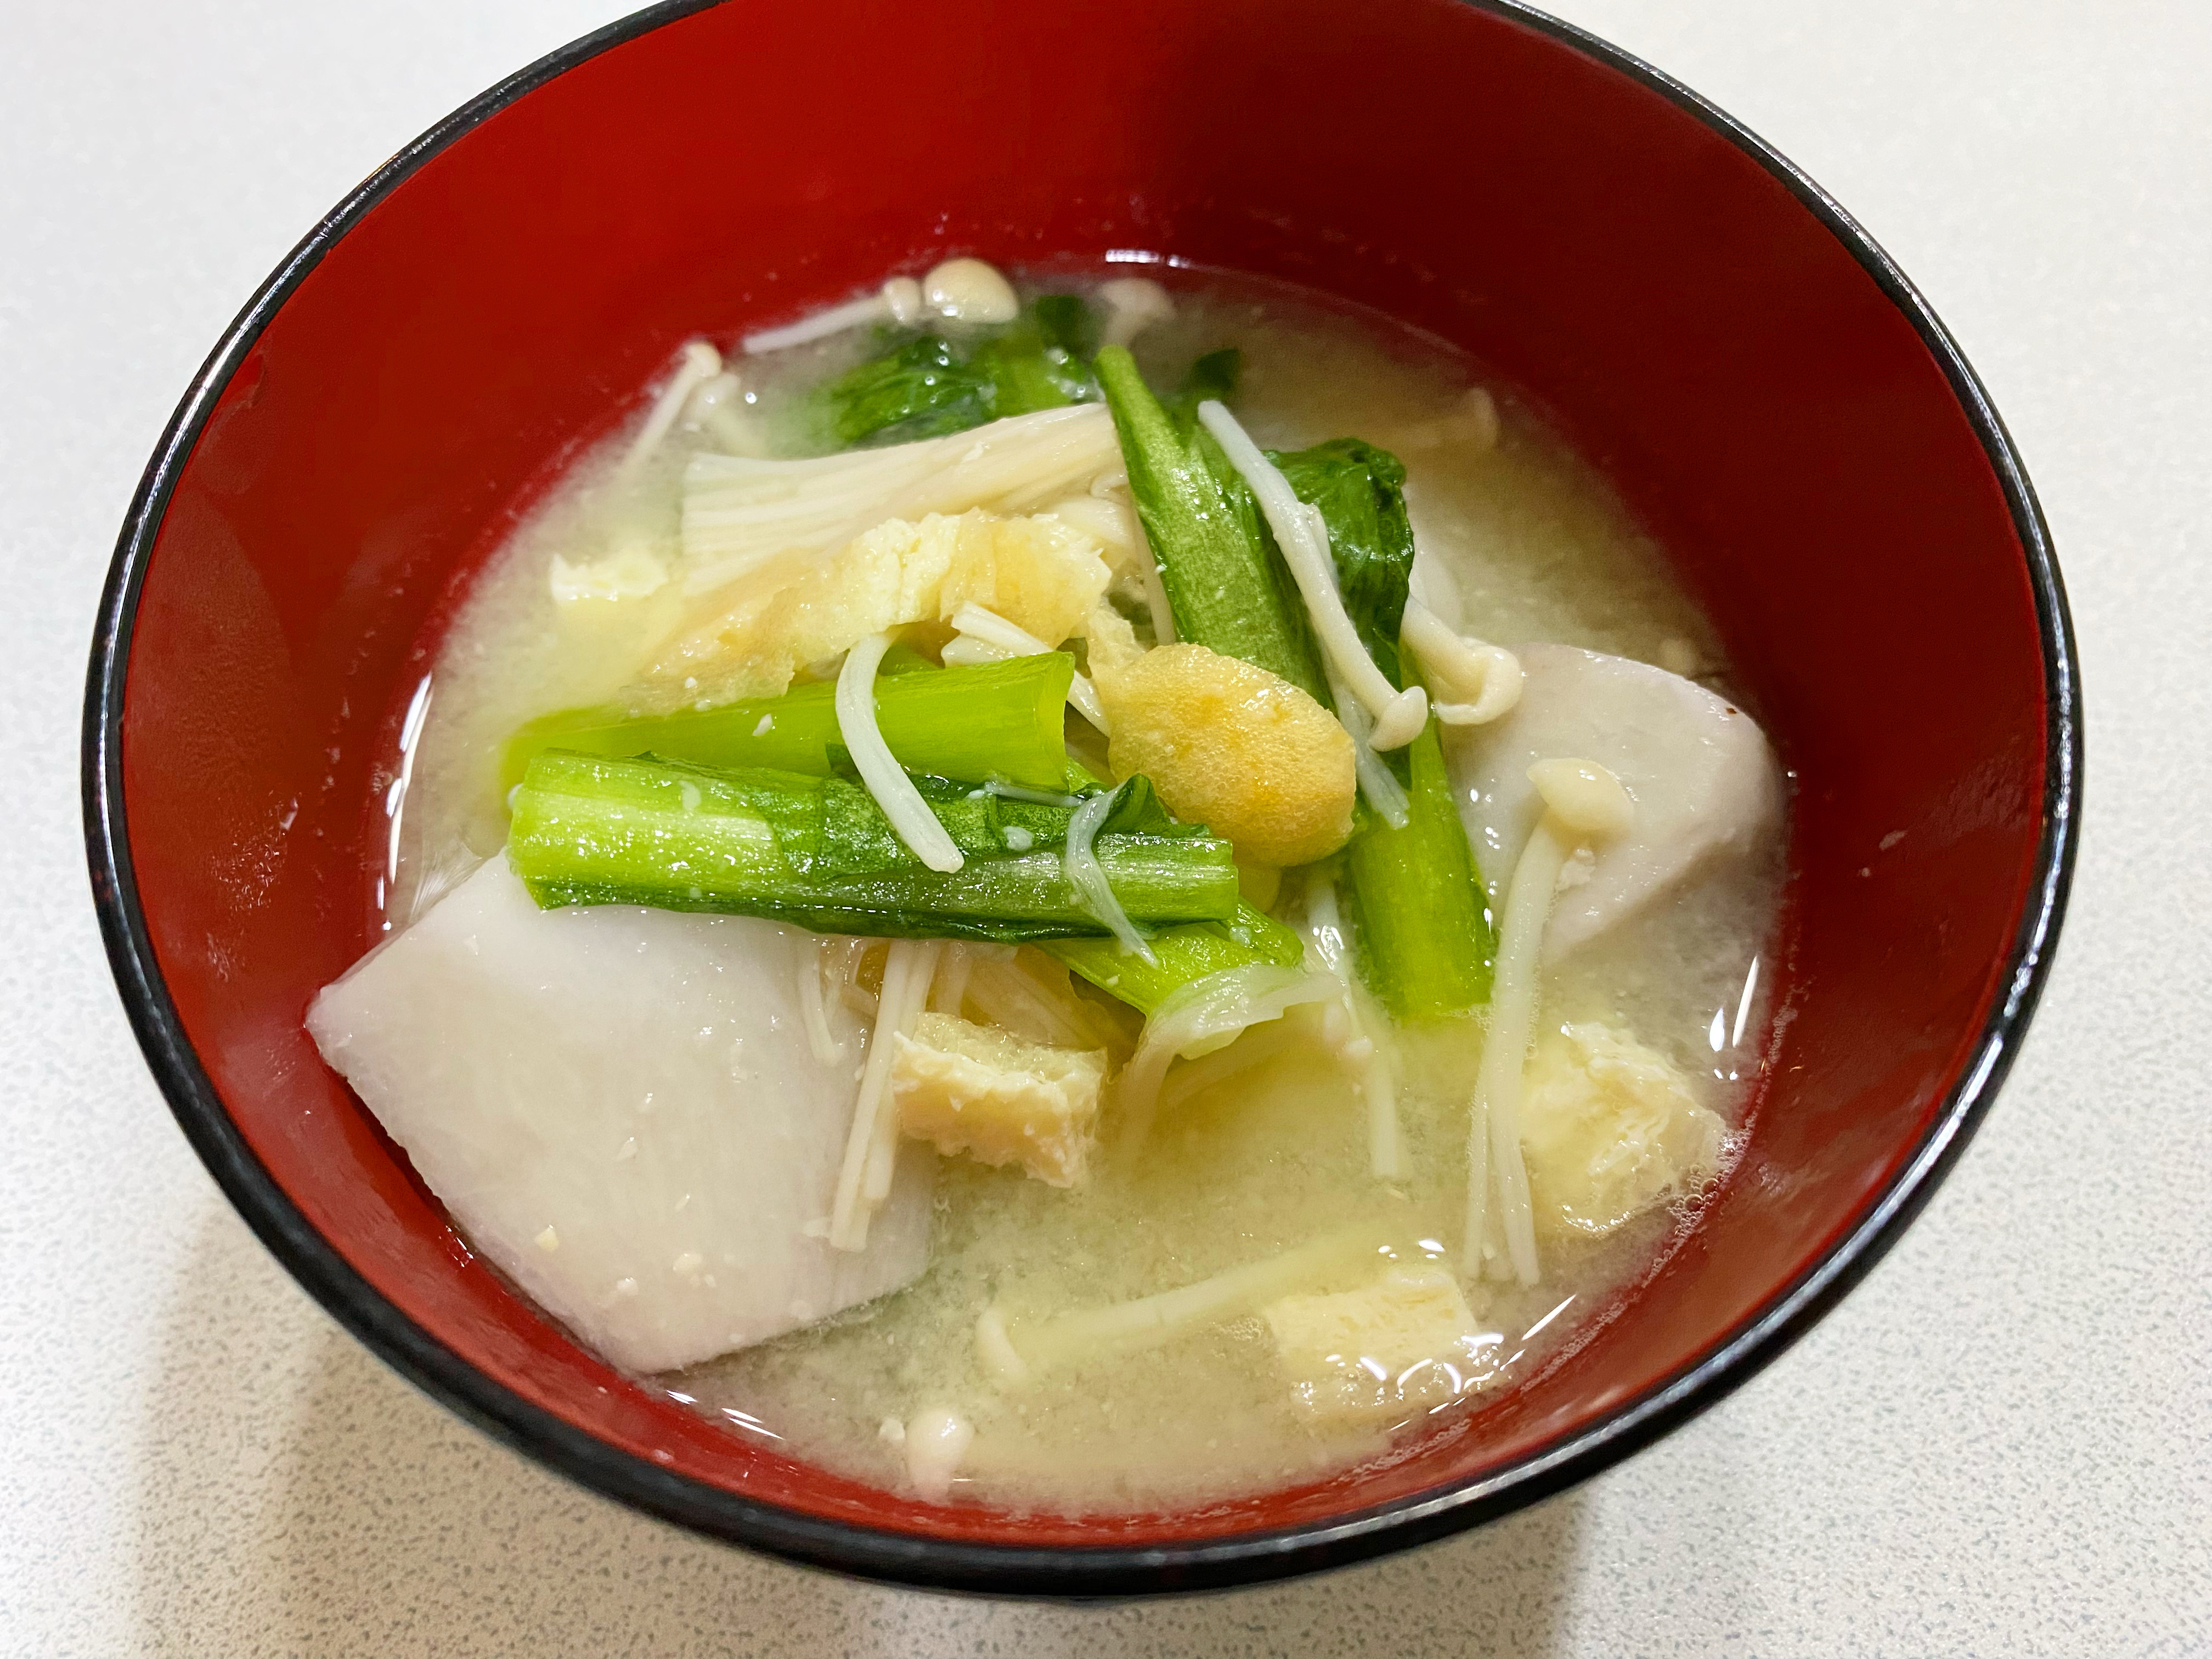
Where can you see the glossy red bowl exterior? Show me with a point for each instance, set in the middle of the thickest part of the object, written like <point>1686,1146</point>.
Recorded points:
<point>1766,388</point>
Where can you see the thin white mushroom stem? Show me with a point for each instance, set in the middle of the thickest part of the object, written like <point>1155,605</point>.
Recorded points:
<point>1378,1083</point>
<point>1107,519</point>
<point>1302,535</point>
<point>1016,1352</point>
<point>1192,1078</point>
<point>1080,860</point>
<point>740,512</point>
<point>898,301</point>
<point>1376,780</point>
<point>919,962</point>
<point>1006,995</point>
<point>1475,683</point>
<point>717,408</point>
<point>1368,1047</point>
<point>820,325</point>
<point>1470,423</point>
<point>813,1005</point>
<point>1221,1006</point>
<point>1496,1119</point>
<point>1583,802</point>
<point>909,814</point>
<point>990,629</point>
<point>871,1143</point>
<point>966,651</point>
<point>948,992</point>
<point>1475,1249</point>
<point>1153,574</point>
<point>701,363</point>
<point>1002,1360</point>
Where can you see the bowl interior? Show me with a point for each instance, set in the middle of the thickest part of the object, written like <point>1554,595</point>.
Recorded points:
<point>1758,397</point>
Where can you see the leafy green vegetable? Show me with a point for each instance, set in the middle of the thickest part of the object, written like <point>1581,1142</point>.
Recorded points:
<point>1004,720</point>
<point>1425,942</point>
<point>921,387</point>
<point>1361,492</point>
<point>924,386</point>
<point>1228,587</point>
<point>1068,325</point>
<point>1026,375</point>
<point>818,852</point>
<point>1186,953</point>
<point>1213,377</point>
<point>1044,359</point>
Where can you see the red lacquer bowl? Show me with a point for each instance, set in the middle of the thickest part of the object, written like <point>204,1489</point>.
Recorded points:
<point>1765,387</point>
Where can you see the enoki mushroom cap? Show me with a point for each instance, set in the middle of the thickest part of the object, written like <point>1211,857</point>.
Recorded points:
<point>970,291</point>
<point>1583,796</point>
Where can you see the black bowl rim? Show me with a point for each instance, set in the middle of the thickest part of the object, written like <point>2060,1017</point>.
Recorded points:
<point>1105,1571</point>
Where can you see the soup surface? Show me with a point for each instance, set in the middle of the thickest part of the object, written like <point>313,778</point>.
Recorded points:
<point>1261,1157</point>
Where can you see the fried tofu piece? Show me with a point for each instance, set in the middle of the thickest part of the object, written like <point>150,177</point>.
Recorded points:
<point>1401,1345</point>
<point>1236,748</point>
<point>1611,1127</point>
<point>1040,574</point>
<point>982,1091</point>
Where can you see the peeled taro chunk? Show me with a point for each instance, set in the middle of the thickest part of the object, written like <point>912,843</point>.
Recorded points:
<point>1703,779</point>
<point>621,1108</point>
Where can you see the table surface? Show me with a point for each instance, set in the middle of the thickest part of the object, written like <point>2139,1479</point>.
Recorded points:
<point>2002,1443</point>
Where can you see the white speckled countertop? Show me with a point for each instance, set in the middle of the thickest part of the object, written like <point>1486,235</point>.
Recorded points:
<point>2000,1444</point>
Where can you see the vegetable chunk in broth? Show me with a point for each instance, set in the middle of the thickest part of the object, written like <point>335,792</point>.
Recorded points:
<point>1073,892</point>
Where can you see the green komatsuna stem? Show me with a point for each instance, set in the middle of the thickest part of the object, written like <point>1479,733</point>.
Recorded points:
<point>1187,953</point>
<point>1425,932</point>
<point>1003,720</point>
<point>1225,583</point>
<point>818,852</point>
<point>1419,914</point>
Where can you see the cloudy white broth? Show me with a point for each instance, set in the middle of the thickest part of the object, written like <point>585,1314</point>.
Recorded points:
<point>1083,892</point>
